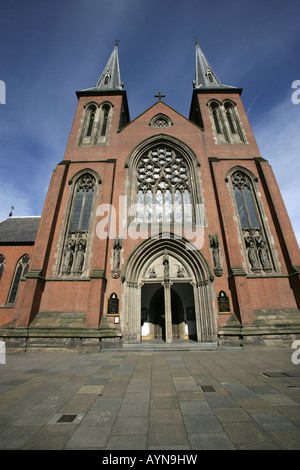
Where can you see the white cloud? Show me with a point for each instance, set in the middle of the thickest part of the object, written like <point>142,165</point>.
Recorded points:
<point>10,196</point>
<point>278,138</point>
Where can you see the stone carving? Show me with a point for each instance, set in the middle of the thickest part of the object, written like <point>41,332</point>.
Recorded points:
<point>68,258</point>
<point>166,265</point>
<point>152,273</point>
<point>263,252</point>
<point>180,272</point>
<point>215,248</point>
<point>74,254</point>
<point>116,264</point>
<point>258,253</point>
<point>79,259</point>
<point>253,256</point>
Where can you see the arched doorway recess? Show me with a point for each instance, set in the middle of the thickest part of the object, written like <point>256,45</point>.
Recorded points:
<point>176,268</point>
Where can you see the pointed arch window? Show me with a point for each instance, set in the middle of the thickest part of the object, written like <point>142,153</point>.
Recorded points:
<point>230,121</point>
<point>20,271</point>
<point>105,114</point>
<point>218,121</point>
<point>90,120</point>
<point>210,77</point>
<point>253,232</point>
<point>160,120</point>
<point>226,124</point>
<point>233,122</point>
<point>77,233</point>
<point>2,265</point>
<point>163,186</point>
<point>96,123</point>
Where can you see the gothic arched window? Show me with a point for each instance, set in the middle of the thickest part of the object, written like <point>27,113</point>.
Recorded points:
<point>233,122</point>
<point>77,231</point>
<point>2,264</point>
<point>20,271</point>
<point>218,123</point>
<point>225,122</point>
<point>95,123</point>
<point>253,232</point>
<point>90,120</point>
<point>210,77</point>
<point>82,203</point>
<point>163,186</point>
<point>105,114</point>
<point>160,120</point>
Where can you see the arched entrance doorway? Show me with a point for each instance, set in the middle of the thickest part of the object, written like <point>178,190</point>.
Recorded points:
<point>153,314</point>
<point>169,275</point>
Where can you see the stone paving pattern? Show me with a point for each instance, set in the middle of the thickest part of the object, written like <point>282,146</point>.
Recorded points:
<point>162,400</point>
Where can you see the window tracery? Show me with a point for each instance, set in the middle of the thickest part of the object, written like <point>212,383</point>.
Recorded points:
<point>77,233</point>
<point>163,187</point>
<point>160,120</point>
<point>21,270</point>
<point>254,236</point>
<point>95,125</point>
<point>226,125</point>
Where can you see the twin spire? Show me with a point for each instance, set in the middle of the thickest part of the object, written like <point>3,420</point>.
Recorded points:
<point>205,76</point>
<point>110,80</point>
<point>111,77</point>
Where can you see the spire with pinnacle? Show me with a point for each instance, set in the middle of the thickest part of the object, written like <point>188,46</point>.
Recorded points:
<point>110,80</point>
<point>205,76</point>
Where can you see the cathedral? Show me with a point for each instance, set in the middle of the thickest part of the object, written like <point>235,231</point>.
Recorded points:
<point>162,229</point>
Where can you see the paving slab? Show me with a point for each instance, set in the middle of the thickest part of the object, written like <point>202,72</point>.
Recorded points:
<point>164,398</point>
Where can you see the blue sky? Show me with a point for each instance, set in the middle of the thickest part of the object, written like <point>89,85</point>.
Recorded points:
<point>49,50</point>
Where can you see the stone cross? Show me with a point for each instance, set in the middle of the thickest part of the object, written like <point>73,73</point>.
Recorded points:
<point>159,96</point>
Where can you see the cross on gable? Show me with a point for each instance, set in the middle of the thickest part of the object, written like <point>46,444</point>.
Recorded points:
<point>159,96</point>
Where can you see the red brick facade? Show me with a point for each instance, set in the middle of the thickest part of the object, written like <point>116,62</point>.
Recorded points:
<point>46,291</point>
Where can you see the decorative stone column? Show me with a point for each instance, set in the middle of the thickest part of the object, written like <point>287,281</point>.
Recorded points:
<point>167,293</point>
<point>204,323</point>
<point>168,312</point>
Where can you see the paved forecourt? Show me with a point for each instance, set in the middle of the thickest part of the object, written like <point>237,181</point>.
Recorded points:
<point>160,400</point>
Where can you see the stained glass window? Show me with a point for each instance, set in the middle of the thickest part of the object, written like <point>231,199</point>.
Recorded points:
<point>82,204</point>
<point>21,270</point>
<point>163,181</point>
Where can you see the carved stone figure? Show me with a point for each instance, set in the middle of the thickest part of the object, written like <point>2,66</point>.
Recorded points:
<point>79,260</point>
<point>180,272</point>
<point>166,265</point>
<point>116,264</point>
<point>264,256</point>
<point>253,256</point>
<point>152,273</point>
<point>68,259</point>
<point>214,245</point>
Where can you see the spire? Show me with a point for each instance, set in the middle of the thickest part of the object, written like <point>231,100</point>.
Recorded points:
<point>111,78</point>
<point>205,76</point>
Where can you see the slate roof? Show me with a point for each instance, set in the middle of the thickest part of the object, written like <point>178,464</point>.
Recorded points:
<point>112,73</point>
<point>19,229</point>
<point>204,71</point>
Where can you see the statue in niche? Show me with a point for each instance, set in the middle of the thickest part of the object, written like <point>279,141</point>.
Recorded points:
<point>79,259</point>
<point>253,257</point>
<point>68,258</point>
<point>264,256</point>
<point>166,265</point>
<point>180,272</point>
<point>116,265</point>
<point>215,248</point>
<point>152,273</point>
